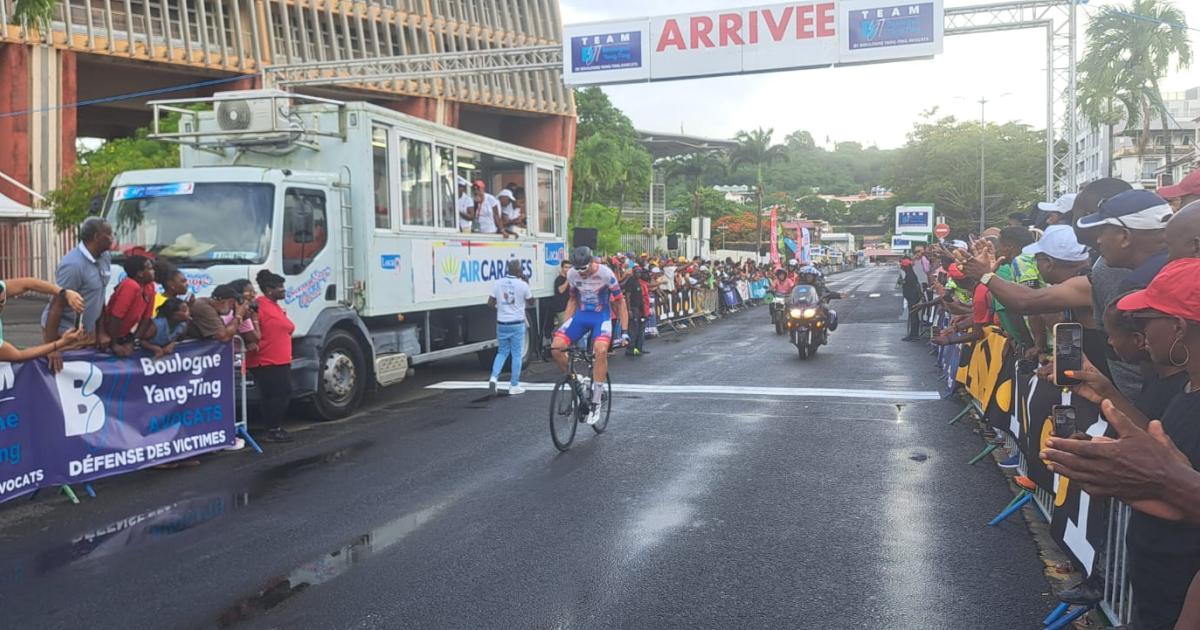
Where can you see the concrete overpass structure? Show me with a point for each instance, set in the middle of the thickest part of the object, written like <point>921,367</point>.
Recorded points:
<point>95,49</point>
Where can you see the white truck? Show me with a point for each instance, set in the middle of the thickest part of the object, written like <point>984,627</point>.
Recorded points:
<point>355,205</point>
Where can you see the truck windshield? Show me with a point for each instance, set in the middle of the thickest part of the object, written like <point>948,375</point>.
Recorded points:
<point>190,224</point>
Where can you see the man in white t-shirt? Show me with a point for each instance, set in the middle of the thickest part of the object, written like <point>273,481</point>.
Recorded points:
<point>510,213</point>
<point>510,297</point>
<point>487,209</point>
<point>465,205</point>
<point>669,276</point>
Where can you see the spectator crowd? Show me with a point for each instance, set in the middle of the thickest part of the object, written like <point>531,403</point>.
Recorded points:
<point>1125,265</point>
<point>153,309</point>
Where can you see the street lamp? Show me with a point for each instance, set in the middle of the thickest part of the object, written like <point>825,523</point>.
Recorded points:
<point>722,229</point>
<point>983,101</point>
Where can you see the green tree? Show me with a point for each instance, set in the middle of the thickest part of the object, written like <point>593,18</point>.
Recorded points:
<point>610,164</point>
<point>697,171</point>
<point>812,207</point>
<point>1129,49</point>
<point>34,13</point>
<point>608,224</point>
<point>940,165</point>
<point>754,150</point>
<point>96,169</point>
<point>705,202</point>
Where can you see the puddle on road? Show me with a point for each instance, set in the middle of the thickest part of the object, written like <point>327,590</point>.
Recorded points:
<point>162,522</point>
<point>326,567</point>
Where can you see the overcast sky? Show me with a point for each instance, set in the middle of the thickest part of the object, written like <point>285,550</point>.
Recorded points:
<point>874,104</point>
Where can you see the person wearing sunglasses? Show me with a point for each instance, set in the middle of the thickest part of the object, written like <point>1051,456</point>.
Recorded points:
<point>593,292</point>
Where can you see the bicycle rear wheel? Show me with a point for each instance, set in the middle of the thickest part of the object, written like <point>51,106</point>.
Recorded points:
<point>605,407</point>
<point>564,414</point>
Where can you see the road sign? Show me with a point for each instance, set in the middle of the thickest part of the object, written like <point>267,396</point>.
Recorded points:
<point>941,230</point>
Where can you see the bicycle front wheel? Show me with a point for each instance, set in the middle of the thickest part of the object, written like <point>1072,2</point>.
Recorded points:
<point>564,414</point>
<point>605,406</point>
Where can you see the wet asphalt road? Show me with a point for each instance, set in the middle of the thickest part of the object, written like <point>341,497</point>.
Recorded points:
<point>446,509</point>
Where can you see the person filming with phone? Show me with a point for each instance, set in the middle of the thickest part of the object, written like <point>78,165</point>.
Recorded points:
<point>1154,469</point>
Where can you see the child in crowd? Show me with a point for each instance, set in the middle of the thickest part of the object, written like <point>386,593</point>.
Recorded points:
<point>168,327</point>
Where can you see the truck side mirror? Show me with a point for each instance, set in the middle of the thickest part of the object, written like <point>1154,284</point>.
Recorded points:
<point>95,205</point>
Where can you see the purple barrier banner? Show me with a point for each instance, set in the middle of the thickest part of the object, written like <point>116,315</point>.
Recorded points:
<point>103,415</point>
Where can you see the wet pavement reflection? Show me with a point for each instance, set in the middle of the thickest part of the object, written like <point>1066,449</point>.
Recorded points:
<point>159,523</point>
<point>326,567</point>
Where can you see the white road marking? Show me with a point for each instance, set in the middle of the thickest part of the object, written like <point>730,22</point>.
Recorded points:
<point>873,295</point>
<point>719,390</point>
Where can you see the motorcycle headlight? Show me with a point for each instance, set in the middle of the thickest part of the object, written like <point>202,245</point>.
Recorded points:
<point>797,313</point>
<point>810,312</point>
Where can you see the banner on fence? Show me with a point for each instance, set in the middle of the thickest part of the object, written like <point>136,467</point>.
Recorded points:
<point>1022,404</point>
<point>103,415</point>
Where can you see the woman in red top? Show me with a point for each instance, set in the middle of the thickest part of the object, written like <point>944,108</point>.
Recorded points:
<point>271,363</point>
<point>131,306</point>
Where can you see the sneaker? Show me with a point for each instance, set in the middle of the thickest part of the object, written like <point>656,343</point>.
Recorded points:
<point>593,416</point>
<point>278,436</point>
<point>1082,594</point>
<point>238,444</point>
<point>492,387</point>
<point>1011,462</point>
<point>516,390</point>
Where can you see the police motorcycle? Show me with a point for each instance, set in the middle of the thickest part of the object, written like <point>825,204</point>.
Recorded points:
<point>807,319</point>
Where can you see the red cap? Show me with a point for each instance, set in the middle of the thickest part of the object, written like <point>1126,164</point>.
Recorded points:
<point>480,183</point>
<point>905,262</point>
<point>955,272</point>
<point>1173,291</point>
<point>1189,185</point>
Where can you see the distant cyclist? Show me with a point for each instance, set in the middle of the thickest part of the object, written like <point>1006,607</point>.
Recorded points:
<point>593,290</point>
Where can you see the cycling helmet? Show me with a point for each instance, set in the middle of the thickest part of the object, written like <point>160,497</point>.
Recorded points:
<point>581,257</point>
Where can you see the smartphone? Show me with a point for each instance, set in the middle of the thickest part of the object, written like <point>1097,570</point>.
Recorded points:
<point>78,321</point>
<point>1068,352</point>
<point>1064,421</point>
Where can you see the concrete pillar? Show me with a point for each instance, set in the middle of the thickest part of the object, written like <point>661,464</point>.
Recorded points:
<point>38,143</point>
<point>14,149</point>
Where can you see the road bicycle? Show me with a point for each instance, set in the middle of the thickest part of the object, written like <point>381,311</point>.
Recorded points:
<point>572,400</point>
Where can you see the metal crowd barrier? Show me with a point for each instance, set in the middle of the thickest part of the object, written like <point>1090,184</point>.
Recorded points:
<point>1112,562</point>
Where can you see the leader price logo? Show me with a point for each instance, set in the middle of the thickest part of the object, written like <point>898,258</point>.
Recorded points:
<point>607,51</point>
<point>896,25</point>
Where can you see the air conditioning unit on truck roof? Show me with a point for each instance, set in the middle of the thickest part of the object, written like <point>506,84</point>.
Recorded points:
<point>239,118</point>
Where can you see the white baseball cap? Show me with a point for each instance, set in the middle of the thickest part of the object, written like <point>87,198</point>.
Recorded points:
<point>462,181</point>
<point>1060,245</point>
<point>1062,205</point>
<point>506,193</point>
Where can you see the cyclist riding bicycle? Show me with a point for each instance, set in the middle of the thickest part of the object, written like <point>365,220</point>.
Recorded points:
<point>593,290</point>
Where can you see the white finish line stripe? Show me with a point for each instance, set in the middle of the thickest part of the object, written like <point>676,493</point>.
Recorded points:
<point>719,390</point>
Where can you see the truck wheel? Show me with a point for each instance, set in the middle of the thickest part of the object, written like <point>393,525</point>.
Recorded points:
<point>341,377</point>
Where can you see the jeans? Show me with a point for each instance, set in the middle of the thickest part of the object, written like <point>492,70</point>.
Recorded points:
<point>511,338</point>
<point>637,333</point>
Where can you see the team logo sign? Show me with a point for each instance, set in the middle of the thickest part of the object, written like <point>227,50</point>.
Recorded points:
<point>606,51</point>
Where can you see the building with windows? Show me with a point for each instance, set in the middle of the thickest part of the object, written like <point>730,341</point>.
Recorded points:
<point>98,50</point>
<point>1145,168</point>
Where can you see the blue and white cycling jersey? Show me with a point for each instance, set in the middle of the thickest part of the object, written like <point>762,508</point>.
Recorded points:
<point>594,293</point>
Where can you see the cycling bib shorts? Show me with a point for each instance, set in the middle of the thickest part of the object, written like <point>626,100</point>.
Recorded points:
<point>599,324</point>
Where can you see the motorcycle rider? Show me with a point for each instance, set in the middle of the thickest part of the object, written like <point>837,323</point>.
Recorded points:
<point>812,276</point>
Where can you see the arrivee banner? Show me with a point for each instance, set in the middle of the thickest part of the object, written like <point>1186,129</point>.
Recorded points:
<point>103,415</point>
<point>751,39</point>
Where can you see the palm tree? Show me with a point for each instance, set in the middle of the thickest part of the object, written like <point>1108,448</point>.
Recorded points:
<point>694,169</point>
<point>754,149</point>
<point>1129,49</point>
<point>597,166</point>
